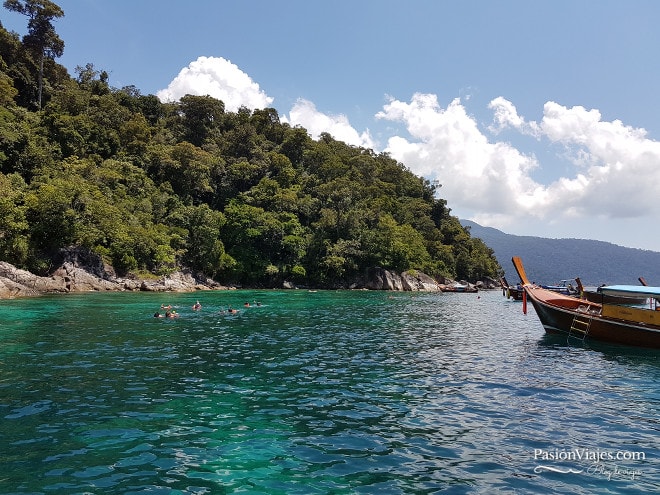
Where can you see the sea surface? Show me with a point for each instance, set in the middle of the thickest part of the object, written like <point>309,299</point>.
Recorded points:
<point>326,392</point>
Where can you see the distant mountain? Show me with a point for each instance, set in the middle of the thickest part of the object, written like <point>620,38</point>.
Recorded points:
<point>548,261</point>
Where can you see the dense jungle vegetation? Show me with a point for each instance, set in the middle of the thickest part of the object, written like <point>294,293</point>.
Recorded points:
<point>240,196</point>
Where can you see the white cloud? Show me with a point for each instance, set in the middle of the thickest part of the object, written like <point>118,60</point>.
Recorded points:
<point>506,115</point>
<point>305,114</point>
<point>219,78</point>
<point>477,175</point>
<point>616,167</point>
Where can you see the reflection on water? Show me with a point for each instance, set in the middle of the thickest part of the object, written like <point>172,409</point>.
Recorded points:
<point>327,392</point>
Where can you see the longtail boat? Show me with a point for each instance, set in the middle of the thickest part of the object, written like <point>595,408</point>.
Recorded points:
<point>628,324</point>
<point>456,287</point>
<point>511,291</point>
<point>563,287</point>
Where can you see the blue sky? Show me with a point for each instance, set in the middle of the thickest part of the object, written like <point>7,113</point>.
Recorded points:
<point>537,117</point>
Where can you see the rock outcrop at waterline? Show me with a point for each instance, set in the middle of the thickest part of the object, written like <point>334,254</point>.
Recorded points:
<point>382,279</point>
<point>15,282</point>
<point>82,271</point>
<point>413,280</point>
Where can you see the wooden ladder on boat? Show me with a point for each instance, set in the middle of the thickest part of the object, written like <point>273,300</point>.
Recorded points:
<point>579,327</point>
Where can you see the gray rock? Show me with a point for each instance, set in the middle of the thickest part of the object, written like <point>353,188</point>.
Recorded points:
<point>73,276</point>
<point>381,279</point>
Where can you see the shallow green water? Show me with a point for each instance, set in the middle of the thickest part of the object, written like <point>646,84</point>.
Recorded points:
<point>315,392</point>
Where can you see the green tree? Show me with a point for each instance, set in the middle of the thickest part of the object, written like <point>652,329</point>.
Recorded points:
<point>41,38</point>
<point>192,172</point>
<point>338,198</point>
<point>267,122</point>
<point>296,143</point>
<point>204,250</point>
<point>53,220</point>
<point>92,80</point>
<point>135,135</point>
<point>13,224</point>
<point>7,90</point>
<point>398,247</point>
<point>339,260</point>
<point>201,117</point>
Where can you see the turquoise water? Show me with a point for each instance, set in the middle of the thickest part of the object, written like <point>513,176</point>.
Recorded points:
<point>316,393</point>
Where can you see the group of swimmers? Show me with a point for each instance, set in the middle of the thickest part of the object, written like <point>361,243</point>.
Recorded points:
<point>233,311</point>
<point>171,313</point>
<point>167,314</point>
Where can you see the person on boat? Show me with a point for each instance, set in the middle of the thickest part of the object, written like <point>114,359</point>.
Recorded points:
<point>197,306</point>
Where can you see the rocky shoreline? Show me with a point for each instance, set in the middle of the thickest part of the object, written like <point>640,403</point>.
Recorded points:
<point>82,271</point>
<point>15,282</point>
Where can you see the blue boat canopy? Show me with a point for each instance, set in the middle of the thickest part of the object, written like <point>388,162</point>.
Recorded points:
<point>630,290</point>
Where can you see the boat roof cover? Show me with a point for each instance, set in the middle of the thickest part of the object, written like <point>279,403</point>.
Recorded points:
<point>630,290</point>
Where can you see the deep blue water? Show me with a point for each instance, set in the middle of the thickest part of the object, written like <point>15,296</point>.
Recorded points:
<point>316,393</point>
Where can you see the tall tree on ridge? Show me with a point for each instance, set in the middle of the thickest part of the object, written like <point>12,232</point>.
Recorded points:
<point>41,39</point>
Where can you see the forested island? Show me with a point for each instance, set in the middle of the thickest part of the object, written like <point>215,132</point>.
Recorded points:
<point>152,188</point>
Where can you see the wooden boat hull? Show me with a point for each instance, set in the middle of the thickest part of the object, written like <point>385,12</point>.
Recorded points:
<point>511,291</point>
<point>516,294</point>
<point>561,318</point>
<point>585,320</point>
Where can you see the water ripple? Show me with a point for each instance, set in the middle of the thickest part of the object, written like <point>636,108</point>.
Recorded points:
<point>328,392</point>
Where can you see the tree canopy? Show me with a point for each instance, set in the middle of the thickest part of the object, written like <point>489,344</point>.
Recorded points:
<point>41,40</point>
<point>240,196</point>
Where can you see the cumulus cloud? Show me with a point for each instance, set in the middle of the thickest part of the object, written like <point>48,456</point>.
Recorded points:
<point>506,115</point>
<point>219,78</point>
<point>305,114</point>
<point>446,144</point>
<point>616,168</point>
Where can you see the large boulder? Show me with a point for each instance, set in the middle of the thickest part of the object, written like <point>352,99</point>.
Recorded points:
<point>381,279</point>
<point>79,279</point>
<point>418,281</point>
<point>89,261</point>
<point>15,282</point>
<point>179,282</point>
